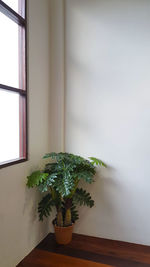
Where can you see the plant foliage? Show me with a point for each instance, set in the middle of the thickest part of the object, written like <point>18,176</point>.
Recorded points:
<point>60,178</point>
<point>45,206</point>
<point>36,178</point>
<point>82,197</point>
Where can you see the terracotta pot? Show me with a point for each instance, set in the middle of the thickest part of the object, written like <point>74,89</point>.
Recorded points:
<point>63,234</point>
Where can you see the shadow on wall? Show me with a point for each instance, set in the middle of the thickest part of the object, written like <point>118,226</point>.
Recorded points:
<point>32,198</point>
<point>104,190</point>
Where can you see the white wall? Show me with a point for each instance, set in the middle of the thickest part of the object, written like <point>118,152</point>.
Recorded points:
<point>57,75</point>
<point>20,230</point>
<point>106,115</point>
<point>108,111</point>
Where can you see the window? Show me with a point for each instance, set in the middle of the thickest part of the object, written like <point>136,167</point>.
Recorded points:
<point>13,82</point>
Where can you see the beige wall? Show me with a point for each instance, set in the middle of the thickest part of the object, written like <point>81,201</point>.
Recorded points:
<point>108,111</point>
<point>20,229</point>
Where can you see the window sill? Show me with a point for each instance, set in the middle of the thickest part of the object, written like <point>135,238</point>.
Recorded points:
<point>12,162</point>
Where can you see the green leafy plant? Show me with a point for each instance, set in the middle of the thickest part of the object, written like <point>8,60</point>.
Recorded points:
<point>60,179</point>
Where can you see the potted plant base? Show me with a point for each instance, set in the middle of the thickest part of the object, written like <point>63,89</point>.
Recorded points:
<point>63,234</point>
<point>60,179</point>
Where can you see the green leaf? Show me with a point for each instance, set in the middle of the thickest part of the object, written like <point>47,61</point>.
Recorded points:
<point>64,184</point>
<point>50,155</point>
<point>45,206</point>
<point>44,187</point>
<point>74,214</point>
<point>97,162</point>
<point>87,176</point>
<point>36,178</point>
<point>82,197</point>
<point>50,167</point>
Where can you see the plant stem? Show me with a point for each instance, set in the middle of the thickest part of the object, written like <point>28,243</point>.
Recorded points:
<point>67,221</point>
<point>59,219</point>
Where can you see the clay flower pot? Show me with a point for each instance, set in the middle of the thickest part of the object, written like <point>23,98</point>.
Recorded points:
<point>63,234</point>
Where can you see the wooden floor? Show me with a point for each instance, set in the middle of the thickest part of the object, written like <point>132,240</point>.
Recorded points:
<point>87,251</point>
<point>51,259</point>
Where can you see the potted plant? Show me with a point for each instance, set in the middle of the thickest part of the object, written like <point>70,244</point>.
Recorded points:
<point>60,179</point>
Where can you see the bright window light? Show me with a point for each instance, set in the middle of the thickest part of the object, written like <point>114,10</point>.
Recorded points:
<point>9,53</point>
<point>12,3</point>
<point>9,130</point>
<point>13,95</point>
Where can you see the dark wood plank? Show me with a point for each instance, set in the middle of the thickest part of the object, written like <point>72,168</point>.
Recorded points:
<point>100,250</point>
<point>92,249</point>
<point>41,258</point>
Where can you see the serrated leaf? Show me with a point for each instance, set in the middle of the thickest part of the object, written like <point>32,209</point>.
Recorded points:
<point>45,206</point>
<point>74,214</point>
<point>36,178</point>
<point>44,187</point>
<point>82,197</point>
<point>50,155</point>
<point>85,175</point>
<point>97,162</point>
<point>64,184</point>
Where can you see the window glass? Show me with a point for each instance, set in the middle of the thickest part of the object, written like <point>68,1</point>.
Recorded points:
<point>12,3</point>
<point>9,52</point>
<point>16,5</point>
<point>9,132</point>
<point>13,94</point>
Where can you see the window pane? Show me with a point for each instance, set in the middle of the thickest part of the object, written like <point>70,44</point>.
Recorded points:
<point>13,4</point>
<point>9,52</point>
<point>16,5</point>
<point>9,121</point>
